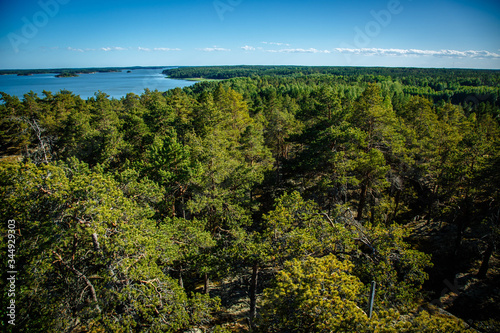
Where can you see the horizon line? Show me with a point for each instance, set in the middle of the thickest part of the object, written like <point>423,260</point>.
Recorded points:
<point>239,65</point>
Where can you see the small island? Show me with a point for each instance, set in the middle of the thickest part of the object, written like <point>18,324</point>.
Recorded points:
<point>67,74</point>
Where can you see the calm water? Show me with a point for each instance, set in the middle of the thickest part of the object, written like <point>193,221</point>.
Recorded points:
<point>116,84</point>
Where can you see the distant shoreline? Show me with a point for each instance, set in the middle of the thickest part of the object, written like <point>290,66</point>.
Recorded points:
<point>197,79</point>
<point>115,84</point>
<point>72,72</point>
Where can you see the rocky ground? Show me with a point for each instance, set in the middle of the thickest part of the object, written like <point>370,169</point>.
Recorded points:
<point>453,285</point>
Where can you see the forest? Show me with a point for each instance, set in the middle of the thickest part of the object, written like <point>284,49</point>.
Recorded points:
<point>270,201</point>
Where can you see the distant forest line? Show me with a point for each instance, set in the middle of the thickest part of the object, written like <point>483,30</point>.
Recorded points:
<point>457,86</point>
<point>466,77</point>
<point>68,71</point>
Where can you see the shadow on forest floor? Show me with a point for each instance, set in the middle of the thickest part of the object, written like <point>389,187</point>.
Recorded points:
<point>235,304</point>
<point>453,285</point>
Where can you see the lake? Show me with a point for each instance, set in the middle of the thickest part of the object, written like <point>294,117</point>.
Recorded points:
<point>115,84</point>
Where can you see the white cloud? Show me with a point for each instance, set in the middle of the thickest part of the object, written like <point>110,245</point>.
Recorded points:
<point>165,49</point>
<point>416,52</point>
<point>117,48</point>
<point>69,48</point>
<point>274,43</point>
<point>113,48</point>
<point>248,48</point>
<point>214,49</point>
<point>311,50</point>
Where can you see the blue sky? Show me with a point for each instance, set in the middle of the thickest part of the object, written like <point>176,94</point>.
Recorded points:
<point>98,33</point>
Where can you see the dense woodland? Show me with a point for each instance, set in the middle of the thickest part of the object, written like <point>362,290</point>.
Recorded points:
<point>267,202</point>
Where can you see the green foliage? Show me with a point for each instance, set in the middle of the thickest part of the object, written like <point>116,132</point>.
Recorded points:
<point>88,255</point>
<point>398,270</point>
<point>308,176</point>
<point>314,295</point>
<point>324,295</point>
<point>427,323</point>
<point>297,229</point>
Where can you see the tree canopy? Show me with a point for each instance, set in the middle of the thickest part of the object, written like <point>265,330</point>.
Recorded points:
<point>286,189</point>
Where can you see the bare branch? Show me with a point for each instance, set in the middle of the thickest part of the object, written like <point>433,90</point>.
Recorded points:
<point>82,276</point>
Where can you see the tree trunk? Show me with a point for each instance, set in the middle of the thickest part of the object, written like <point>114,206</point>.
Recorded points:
<point>398,198</point>
<point>372,210</point>
<point>253,293</point>
<point>206,283</point>
<point>95,241</point>
<point>361,206</point>
<point>183,207</point>
<point>181,281</point>
<point>462,225</point>
<point>429,210</point>
<point>278,170</point>
<point>481,274</point>
<point>460,235</point>
<point>431,204</point>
